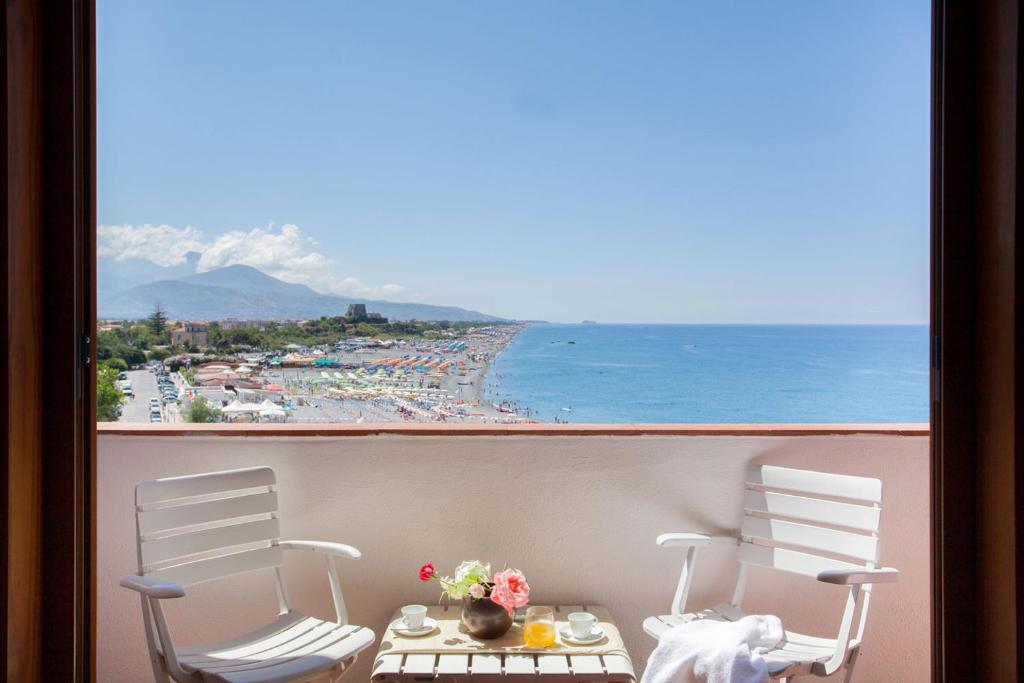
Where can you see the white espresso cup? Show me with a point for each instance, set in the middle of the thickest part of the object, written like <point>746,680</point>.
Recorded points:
<point>413,615</point>
<point>582,624</point>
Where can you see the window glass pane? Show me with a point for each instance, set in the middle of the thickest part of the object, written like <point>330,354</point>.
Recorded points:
<point>469,212</point>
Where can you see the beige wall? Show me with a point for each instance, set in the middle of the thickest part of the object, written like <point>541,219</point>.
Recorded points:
<point>577,514</point>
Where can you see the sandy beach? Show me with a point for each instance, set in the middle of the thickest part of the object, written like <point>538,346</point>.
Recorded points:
<point>416,380</point>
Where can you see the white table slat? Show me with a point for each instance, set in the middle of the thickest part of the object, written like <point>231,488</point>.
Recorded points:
<point>485,664</point>
<point>553,664</point>
<point>388,665</point>
<point>586,665</point>
<point>419,664</point>
<point>520,665</point>
<point>619,668</point>
<point>453,665</point>
<point>554,667</point>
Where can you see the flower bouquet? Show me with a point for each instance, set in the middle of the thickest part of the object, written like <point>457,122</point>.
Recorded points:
<point>488,601</point>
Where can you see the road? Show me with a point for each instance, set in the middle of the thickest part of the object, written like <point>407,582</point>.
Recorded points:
<point>137,409</point>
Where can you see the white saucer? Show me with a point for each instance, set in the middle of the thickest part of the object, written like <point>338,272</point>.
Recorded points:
<point>596,635</point>
<point>399,627</point>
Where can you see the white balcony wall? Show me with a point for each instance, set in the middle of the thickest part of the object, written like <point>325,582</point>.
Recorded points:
<point>577,514</point>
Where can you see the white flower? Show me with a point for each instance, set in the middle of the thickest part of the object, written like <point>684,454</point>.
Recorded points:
<point>473,569</point>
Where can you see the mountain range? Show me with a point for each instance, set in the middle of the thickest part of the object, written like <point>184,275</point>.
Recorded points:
<point>240,292</point>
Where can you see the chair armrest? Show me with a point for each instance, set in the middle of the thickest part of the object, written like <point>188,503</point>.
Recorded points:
<point>154,588</point>
<point>846,577</point>
<point>691,540</point>
<point>339,549</point>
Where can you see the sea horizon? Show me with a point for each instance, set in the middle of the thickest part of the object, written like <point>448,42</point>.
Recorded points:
<point>591,323</point>
<point>714,372</point>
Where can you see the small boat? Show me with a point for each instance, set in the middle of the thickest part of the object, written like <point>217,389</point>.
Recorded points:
<point>567,409</point>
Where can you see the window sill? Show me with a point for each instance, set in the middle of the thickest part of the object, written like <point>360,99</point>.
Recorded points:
<point>424,429</point>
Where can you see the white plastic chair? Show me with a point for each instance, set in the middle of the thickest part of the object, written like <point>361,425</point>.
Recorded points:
<point>208,526</point>
<point>801,522</point>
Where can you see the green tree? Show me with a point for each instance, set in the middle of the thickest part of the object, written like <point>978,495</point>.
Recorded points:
<point>159,354</point>
<point>107,344</point>
<point>133,356</point>
<point>202,411</point>
<point>157,322</point>
<point>116,363</point>
<point>108,395</point>
<point>118,344</point>
<point>244,336</point>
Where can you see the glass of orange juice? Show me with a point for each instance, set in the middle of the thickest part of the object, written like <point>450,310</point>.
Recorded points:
<point>539,627</point>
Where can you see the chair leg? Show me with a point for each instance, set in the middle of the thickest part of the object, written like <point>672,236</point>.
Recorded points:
<point>850,661</point>
<point>156,660</point>
<point>160,674</point>
<point>343,668</point>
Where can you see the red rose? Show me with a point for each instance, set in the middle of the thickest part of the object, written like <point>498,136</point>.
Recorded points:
<point>427,571</point>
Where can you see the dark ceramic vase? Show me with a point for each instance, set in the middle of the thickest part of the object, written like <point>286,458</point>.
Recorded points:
<point>485,619</point>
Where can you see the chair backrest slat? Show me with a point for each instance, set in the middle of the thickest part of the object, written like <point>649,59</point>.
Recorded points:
<point>791,561</point>
<point>862,517</point>
<point>811,538</point>
<point>799,520</point>
<point>205,540</point>
<point>169,488</point>
<point>206,512</point>
<point>862,489</point>
<point>219,567</point>
<point>208,526</point>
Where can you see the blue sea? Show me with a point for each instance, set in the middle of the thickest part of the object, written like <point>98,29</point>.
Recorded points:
<point>715,373</point>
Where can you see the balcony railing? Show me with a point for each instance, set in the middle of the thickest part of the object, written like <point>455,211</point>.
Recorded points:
<point>577,507</point>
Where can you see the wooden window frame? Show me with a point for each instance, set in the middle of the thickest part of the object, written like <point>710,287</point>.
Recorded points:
<point>48,559</point>
<point>977,416</point>
<point>47,487</point>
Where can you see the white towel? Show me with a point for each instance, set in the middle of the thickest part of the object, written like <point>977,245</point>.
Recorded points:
<point>709,651</point>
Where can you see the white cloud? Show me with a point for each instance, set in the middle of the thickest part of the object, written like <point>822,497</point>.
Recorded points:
<point>353,286</point>
<point>285,253</point>
<point>162,244</point>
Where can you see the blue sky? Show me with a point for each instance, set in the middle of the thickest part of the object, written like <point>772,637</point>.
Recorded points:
<point>623,162</point>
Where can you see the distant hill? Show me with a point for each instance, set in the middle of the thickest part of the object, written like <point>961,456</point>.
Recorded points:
<point>245,292</point>
<point>118,275</point>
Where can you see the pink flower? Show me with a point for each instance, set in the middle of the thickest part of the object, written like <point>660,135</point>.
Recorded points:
<point>476,591</point>
<point>510,589</point>
<point>427,571</point>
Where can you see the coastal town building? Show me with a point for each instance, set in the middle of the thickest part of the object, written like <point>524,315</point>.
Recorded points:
<point>357,314</point>
<point>191,334</point>
<point>236,324</point>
